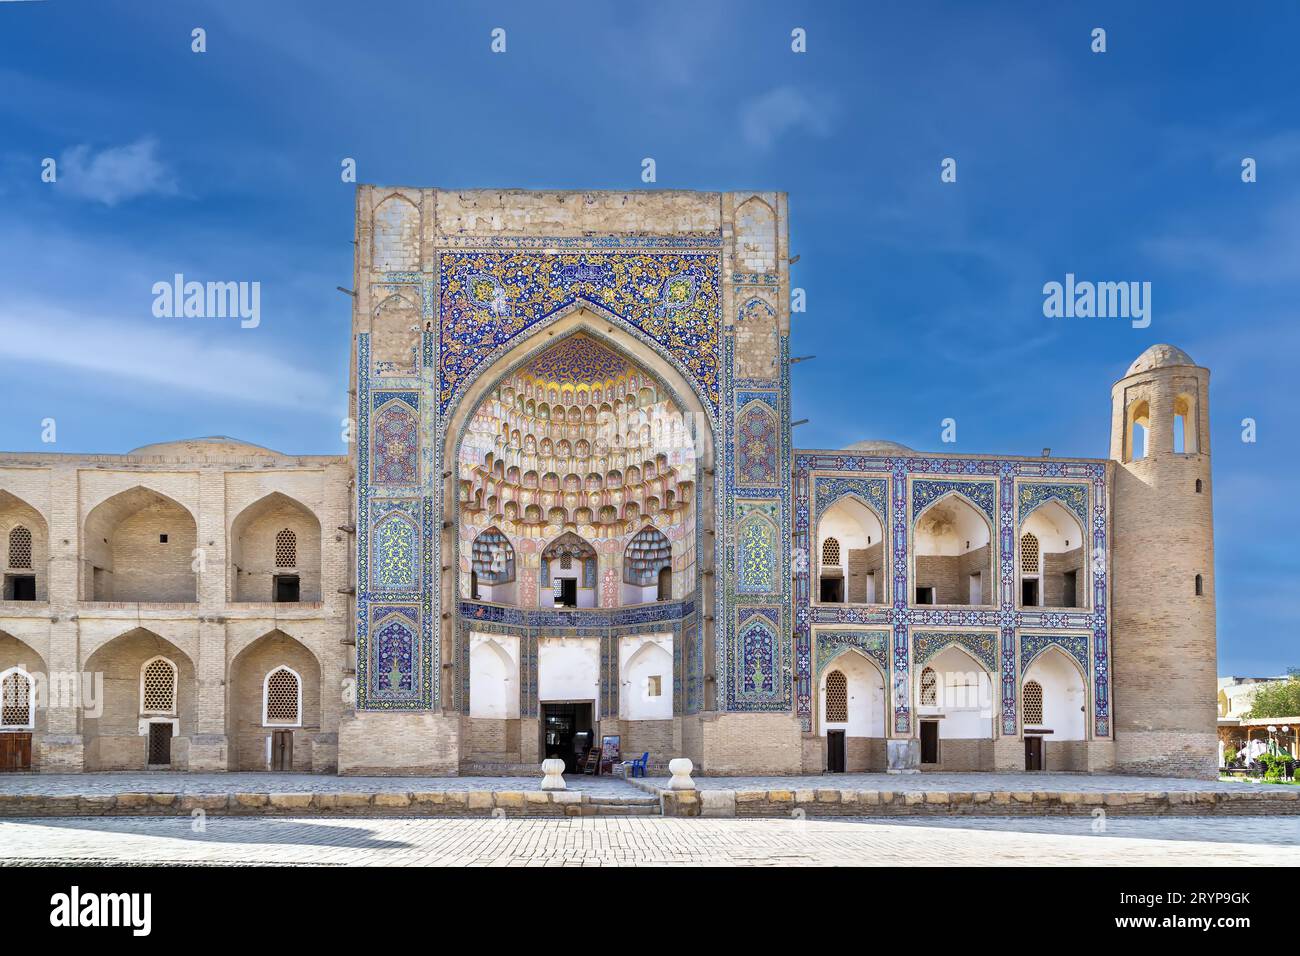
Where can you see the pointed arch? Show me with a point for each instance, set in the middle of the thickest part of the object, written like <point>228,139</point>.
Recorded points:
<point>953,534</point>
<point>138,545</point>
<point>264,534</point>
<point>17,699</point>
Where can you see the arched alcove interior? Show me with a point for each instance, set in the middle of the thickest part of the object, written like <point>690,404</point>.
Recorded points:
<point>576,438</point>
<point>24,550</point>
<point>850,554</point>
<point>953,563</point>
<point>139,545</point>
<point>959,691</point>
<point>275,551</point>
<point>647,678</point>
<point>1063,693</point>
<point>494,677</point>
<point>861,711</point>
<point>1052,557</point>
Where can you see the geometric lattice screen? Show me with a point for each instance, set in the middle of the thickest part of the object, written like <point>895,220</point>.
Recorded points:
<point>286,549</point>
<point>929,688</point>
<point>831,551</point>
<point>837,698</point>
<point>1028,554</point>
<point>20,548</point>
<point>282,697</point>
<point>1033,698</point>
<point>16,695</point>
<point>159,693</point>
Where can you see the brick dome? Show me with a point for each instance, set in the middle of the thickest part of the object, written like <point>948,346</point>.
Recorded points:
<point>1159,356</point>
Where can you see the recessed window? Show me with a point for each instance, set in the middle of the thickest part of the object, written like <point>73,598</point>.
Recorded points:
<point>283,697</point>
<point>929,688</point>
<point>1200,586</point>
<point>158,687</point>
<point>1198,486</point>
<point>16,698</point>
<point>925,595</point>
<point>20,548</point>
<point>837,698</point>
<point>655,686</point>
<point>162,539</point>
<point>1033,703</point>
<point>831,551</point>
<point>1028,553</point>
<point>286,549</point>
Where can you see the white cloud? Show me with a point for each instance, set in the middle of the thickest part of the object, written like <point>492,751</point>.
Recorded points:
<point>766,118</point>
<point>173,356</point>
<point>115,174</point>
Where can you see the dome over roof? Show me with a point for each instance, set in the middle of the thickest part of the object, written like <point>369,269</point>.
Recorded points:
<point>209,445</point>
<point>1159,356</point>
<point>880,447</point>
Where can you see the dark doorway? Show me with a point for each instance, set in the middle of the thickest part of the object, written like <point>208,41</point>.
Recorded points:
<point>160,745</point>
<point>1029,593</point>
<point>665,584</point>
<point>835,757</point>
<point>1071,588</point>
<point>566,592</point>
<point>15,751</point>
<point>282,750</point>
<point>832,591</point>
<point>929,741</point>
<point>925,595</point>
<point>286,588</point>
<point>567,732</point>
<point>1033,753</point>
<point>20,587</point>
<point>473,586</point>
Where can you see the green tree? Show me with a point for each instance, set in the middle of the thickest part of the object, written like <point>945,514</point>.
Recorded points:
<point>1280,699</point>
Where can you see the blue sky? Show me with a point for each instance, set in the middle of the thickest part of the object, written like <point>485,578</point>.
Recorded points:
<point>924,298</point>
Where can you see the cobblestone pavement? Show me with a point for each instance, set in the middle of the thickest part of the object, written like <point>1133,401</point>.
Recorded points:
<point>906,782</point>
<point>648,841</point>
<point>90,784</point>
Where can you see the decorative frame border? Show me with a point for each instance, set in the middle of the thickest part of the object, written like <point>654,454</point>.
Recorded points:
<point>1007,475</point>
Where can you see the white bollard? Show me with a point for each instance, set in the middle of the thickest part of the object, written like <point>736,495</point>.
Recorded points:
<point>680,768</point>
<point>553,774</point>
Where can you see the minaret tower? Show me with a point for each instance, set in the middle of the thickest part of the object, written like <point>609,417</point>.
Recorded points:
<point>1163,658</point>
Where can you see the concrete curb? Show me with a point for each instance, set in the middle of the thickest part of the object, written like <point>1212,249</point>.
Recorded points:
<point>453,803</point>
<point>825,802</point>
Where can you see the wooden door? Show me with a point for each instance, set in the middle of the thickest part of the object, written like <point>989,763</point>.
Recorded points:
<point>835,756</point>
<point>1033,753</point>
<point>282,750</point>
<point>15,751</point>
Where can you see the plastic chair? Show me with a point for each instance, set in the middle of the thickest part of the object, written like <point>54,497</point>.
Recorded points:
<point>639,764</point>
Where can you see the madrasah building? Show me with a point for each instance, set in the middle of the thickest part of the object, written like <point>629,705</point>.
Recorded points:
<point>571,509</point>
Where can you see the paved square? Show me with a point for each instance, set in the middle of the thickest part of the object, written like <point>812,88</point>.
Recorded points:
<point>654,841</point>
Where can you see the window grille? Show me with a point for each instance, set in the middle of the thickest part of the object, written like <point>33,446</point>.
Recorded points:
<point>929,688</point>
<point>16,699</point>
<point>286,549</point>
<point>831,551</point>
<point>282,697</point>
<point>20,548</point>
<point>1028,554</point>
<point>1033,703</point>
<point>837,697</point>
<point>158,693</point>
